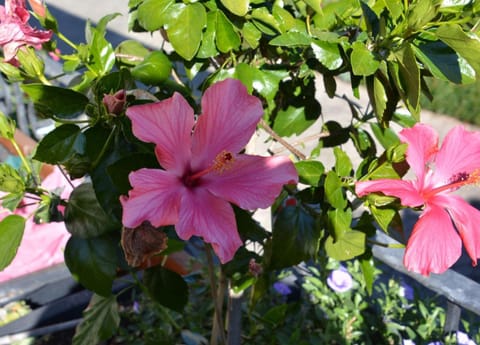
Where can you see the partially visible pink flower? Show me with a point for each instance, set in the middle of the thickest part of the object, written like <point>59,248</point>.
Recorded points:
<point>204,170</point>
<point>340,280</point>
<point>446,220</point>
<point>38,7</point>
<point>116,102</point>
<point>15,31</point>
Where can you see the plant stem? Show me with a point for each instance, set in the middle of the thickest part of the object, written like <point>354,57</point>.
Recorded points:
<point>104,149</point>
<point>288,146</point>
<point>218,329</point>
<point>234,317</point>
<point>66,40</point>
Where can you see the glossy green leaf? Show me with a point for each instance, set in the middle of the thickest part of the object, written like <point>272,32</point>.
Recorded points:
<point>409,78</point>
<point>378,96</point>
<point>7,126</point>
<point>364,143</point>
<point>93,262</point>
<point>57,101</point>
<point>153,14</point>
<point>131,52</point>
<point>420,13</point>
<point>296,237</point>
<point>10,179</point>
<point>11,233</point>
<point>166,287</point>
<point>84,217</point>
<point>227,38</point>
<point>339,222</point>
<point>154,69</point>
<point>185,33</point>
<point>291,121</point>
<point>315,5</point>
<point>383,216</point>
<point>334,192</point>
<point>310,172</point>
<point>467,46</point>
<point>251,34</point>
<point>100,321</point>
<point>368,267</point>
<point>284,19</point>
<point>237,7</point>
<point>208,47</point>
<point>327,54</point>
<point>343,164</point>
<point>265,21</point>
<point>350,245</point>
<point>60,144</point>
<point>363,60</point>
<point>292,39</point>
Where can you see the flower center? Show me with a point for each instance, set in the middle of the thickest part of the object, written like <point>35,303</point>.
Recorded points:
<point>457,181</point>
<point>222,162</point>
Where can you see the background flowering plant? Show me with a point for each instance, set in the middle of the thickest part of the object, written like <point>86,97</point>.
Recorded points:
<point>256,66</point>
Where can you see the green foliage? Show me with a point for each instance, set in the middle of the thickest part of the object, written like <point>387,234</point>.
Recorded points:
<point>11,233</point>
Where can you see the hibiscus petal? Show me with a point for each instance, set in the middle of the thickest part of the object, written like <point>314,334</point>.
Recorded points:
<point>155,197</point>
<point>422,143</point>
<point>169,125</point>
<point>229,119</point>
<point>252,181</point>
<point>404,190</point>
<point>203,214</point>
<point>459,153</point>
<point>434,245</point>
<point>467,220</point>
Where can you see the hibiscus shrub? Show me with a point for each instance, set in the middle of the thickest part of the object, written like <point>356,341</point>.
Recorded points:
<point>161,141</point>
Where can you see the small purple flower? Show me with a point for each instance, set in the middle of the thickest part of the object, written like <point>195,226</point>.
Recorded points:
<point>435,343</point>
<point>282,288</point>
<point>464,339</point>
<point>406,291</point>
<point>340,280</point>
<point>408,342</point>
<point>136,307</point>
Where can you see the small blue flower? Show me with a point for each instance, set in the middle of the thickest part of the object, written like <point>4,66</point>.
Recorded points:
<point>340,280</point>
<point>282,288</point>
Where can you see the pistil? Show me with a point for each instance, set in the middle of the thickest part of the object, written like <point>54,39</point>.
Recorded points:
<point>223,161</point>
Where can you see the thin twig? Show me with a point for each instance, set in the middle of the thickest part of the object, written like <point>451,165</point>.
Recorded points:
<point>299,155</point>
<point>220,329</point>
<point>66,177</point>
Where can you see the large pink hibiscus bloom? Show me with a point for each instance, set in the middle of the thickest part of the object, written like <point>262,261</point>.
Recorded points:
<point>204,171</point>
<point>15,31</point>
<point>446,220</point>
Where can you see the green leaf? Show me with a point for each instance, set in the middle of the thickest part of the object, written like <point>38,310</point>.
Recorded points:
<point>409,78</point>
<point>100,321</point>
<point>102,54</point>
<point>265,21</point>
<point>350,245</point>
<point>334,192</point>
<point>291,121</point>
<point>386,136</point>
<point>12,200</point>
<point>443,62</point>
<point>61,102</point>
<point>237,7</point>
<point>363,60</point>
<point>154,69</point>
<point>7,127</point>
<point>10,179</point>
<point>421,13</point>
<point>466,46</point>
<point>251,34</point>
<point>166,287</point>
<point>276,315</point>
<point>93,262</point>
<point>343,165</point>
<point>153,14</point>
<point>60,144</point>
<point>248,228</point>
<point>208,47</point>
<point>383,216</point>
<point>227,38</point>
<point>84,217</point>
<point>295,237</point>
<point>131,52</point>
<point>292,39</point>
<point>310,172</point>
<point>185,33</point>
<point>339,222</point>
<point>327,54</point>
<point>315,5</point>
<point>368,268</point>
<point>11,233</point>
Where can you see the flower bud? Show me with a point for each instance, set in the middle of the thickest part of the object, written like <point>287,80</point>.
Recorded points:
<point>115,103</point>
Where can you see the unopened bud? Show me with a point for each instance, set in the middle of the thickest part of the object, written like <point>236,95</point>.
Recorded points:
<point>115,103</point>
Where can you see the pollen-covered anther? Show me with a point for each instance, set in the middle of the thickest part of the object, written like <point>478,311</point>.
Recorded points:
<point>223,161</point>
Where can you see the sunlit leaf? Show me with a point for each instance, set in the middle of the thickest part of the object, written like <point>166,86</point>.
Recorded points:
<point>11,233</point>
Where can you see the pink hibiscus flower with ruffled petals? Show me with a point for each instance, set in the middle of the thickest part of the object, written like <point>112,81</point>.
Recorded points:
<point>204,171</point>
<point>436,241</point>
<point>15,31</point>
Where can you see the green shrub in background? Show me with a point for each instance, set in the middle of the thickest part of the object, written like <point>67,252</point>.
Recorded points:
<point>459,101</point>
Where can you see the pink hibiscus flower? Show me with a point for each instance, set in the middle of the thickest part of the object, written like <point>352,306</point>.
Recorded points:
<point>204,171</point>
<point>15,31</point>
<point>446,220</point>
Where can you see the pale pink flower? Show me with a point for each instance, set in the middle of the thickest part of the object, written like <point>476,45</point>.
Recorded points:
<point>446,219</point>
<point>204,171</point>
<point>15,31</point>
